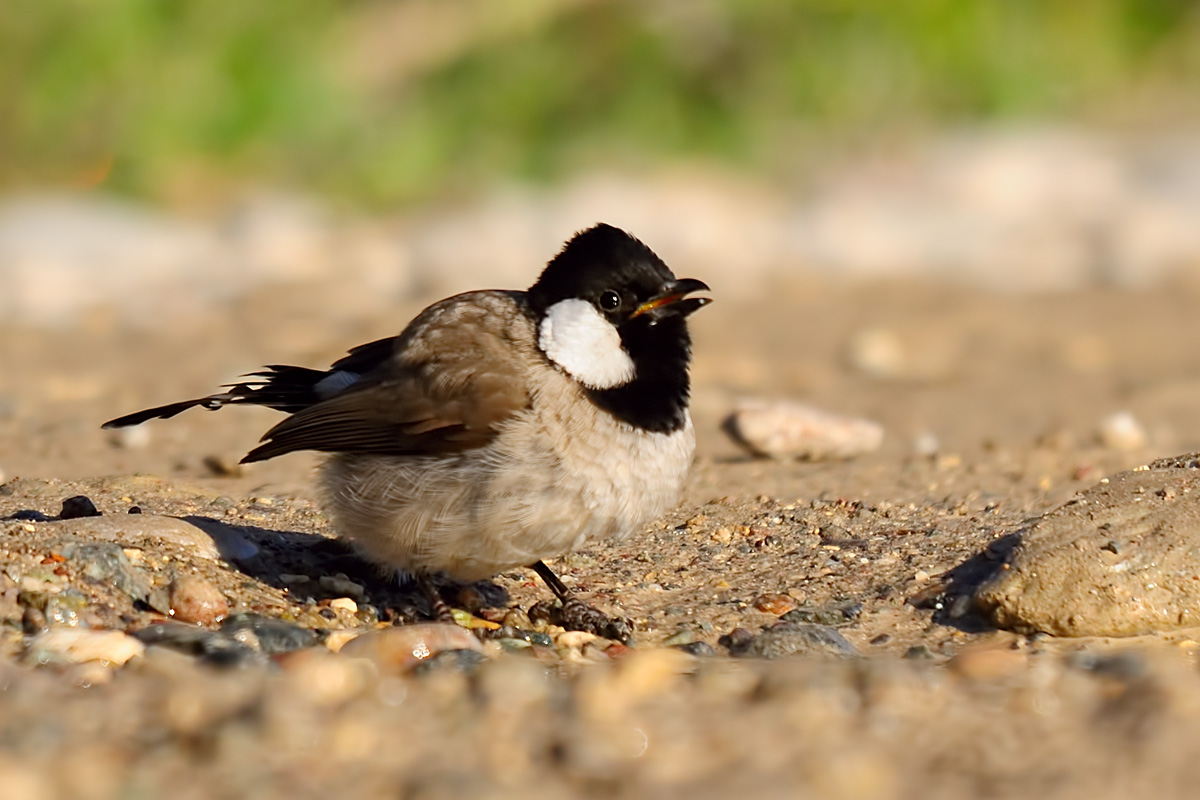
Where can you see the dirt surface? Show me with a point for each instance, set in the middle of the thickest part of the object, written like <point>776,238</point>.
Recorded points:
<point>992,407</point>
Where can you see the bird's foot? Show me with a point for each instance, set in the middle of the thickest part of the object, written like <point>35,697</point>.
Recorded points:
<point>441,612</point>
<point>576,615</point>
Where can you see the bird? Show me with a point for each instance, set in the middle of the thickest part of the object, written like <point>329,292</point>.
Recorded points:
<point>499,428</point>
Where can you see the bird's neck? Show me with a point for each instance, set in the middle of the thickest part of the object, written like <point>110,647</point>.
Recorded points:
<point>656,400</point>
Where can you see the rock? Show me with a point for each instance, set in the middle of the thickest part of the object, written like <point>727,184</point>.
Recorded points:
<point>575,639</point>
<point>919,652</point>
<point>212,647</point>
<point>1123,559</point>
<point>926,444</point>
<point>196,600</point>
<point>77,507</point>
<point>1122,431</point>
<point>877,352</point>
<point>53,607</point>
<point>81,645</point>
<point>987,662</point>
<point>1123,666</point>
<point>776,604</point>
<point>644,673</point>
<point>400,649</point>
<point>698,649</point>
<point>134,437</point>
<point>270,635</point>
<point>340,585</point>
<point>538,638</point>
<point>325,679</point>
<point>793,638</point>
<point>782,429</point>
<point>106,562</point>
<point>832,614</point>
<point>344,604</point>
<point>199,535</point>
<point>680,638</point>
<point>450,660</point>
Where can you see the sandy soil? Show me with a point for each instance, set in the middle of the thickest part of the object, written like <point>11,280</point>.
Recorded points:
<point>1004,393</point>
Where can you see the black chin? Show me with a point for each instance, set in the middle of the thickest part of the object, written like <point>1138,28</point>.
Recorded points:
<point>656,400</point>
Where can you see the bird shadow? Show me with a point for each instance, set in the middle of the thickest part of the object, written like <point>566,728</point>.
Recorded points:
<point>312,566</point>
<point>952,597</point>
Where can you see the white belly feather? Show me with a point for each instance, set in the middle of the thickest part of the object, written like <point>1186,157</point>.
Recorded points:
<point>550,483</point>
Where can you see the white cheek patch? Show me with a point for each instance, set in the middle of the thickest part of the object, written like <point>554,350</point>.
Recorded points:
<point>585,344</point>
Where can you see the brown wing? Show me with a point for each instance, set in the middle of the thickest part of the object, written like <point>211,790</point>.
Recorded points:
<point>459,370</point>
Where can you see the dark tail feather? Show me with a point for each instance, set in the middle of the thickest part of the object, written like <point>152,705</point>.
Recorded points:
<point>211,402</point>
<point>283,388</point>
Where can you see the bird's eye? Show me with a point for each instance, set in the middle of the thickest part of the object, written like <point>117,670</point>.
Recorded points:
<point>610,301</point>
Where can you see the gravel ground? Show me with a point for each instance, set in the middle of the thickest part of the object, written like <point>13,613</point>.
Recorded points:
<point>795,629</point>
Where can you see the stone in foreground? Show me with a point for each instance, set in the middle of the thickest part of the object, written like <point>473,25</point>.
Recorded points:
<point>1121,560</point>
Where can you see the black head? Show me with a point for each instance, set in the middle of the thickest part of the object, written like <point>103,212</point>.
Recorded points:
<point>625,284</point>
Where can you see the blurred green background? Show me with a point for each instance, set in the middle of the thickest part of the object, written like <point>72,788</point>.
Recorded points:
<point>379,103</point>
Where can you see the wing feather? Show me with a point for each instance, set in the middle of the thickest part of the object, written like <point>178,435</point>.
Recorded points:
<point>457,373</point>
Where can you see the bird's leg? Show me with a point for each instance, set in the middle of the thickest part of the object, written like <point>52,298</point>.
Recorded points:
<point>441,611</point>
<point>577,615</point>
<point>560,589</point>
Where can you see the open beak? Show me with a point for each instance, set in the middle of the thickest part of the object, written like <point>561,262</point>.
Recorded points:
<point>673,300</point>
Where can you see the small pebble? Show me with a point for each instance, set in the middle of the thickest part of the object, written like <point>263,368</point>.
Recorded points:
<point>52,608</point>
<point>336,640</point>
<point>877,352</point>
<point>699,649</point>
<point>575,639</point>
<point>736,640</point>
<point>832,614</point>
<point>1122,431</point>
<point>784,429</point>
<point>196,600</point>
<point>324,679</point>
<point>216,648</point>
<point>134,437</point>
<point>926,444</point>
<point>77,507</point>
<point>988,662</point>
<point>680,639</point>
<point>341,585</point>
<point>1124,666</point>
<point>919,652</point>
<point>794,638</point>
<point>344,604</point>
<point>516,618</point>
<point>468,620</point>
<point>80,645</point>
<point>399,649</point>
<point>450,660</point>
<point>776,604</point>
<point>223,467</point>
<point>106,563</point>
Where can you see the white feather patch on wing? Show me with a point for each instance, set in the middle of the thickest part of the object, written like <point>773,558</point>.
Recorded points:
<point>585,344</point>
